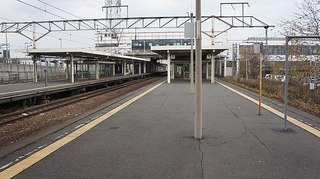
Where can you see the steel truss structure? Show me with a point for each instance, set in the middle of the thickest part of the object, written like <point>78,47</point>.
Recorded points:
<point>126,23</point>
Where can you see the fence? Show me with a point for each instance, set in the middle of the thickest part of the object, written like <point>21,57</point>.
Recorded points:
<point>23,72</point>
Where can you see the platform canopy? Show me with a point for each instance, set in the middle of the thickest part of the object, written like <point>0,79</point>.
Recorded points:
<point>183,52</point>
<point>82,53</point>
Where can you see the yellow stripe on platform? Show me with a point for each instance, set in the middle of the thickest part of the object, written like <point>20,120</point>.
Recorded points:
<point>36,157</point>
<point>278,113</point>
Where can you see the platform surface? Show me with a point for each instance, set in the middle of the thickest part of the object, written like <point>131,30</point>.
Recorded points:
<point>153,138</point>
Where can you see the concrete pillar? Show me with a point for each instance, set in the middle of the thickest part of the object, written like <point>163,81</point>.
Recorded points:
<point>132,67</point>
<point>173,70</point>
<point>72,69</point>
<point>97,71</point>
<point>225,66</point>
<point>124,70</point>
<point>238,67</point>
<point>220,68</point>
<point>207,71</point>
<point>113,70</point>
<point>67,72</point>
<point>145,67</point>
<point>139,67</point>
<point>81,66</point>
<point>168,67</point>
<point>212,68</point>
<point>35,77</point>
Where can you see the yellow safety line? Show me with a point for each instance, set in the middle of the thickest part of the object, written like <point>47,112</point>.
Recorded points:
<point>278,113</point>
<point>36,157</point>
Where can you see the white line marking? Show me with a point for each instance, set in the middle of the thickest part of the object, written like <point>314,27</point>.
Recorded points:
<point>41,154</point>
<point>278,113</point>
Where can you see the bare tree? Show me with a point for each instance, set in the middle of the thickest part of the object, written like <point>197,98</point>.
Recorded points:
<point>306,20</point>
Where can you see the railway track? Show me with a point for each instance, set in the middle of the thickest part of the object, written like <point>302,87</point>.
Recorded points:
<point>38,109</point>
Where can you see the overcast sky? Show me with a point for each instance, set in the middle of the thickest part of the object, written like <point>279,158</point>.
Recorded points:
<point>270,11</point>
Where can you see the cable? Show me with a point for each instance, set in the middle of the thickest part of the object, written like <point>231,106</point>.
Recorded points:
<point>59,9</point>
<point>44,10</point>
<point>41,9</point>
<point>289,22</point>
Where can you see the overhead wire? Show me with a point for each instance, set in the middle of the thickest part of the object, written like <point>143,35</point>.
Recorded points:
<point>291,21</point>
<point>46,11</point>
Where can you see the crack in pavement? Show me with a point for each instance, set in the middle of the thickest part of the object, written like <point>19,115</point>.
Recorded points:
<point>201,161</point>
<point>245,125</point>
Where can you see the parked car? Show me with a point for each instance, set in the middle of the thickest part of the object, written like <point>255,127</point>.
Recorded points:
<point>268,77</point>
<point>281,78</point>
<point>315,80</point>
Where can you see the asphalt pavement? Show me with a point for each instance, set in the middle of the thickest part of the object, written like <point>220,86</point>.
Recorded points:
<point>153,138</point>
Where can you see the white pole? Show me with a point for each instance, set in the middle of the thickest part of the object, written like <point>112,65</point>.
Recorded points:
<point>207,70</point>
<point>198,84</point>
<point>220,67</point>
<point>225,66</point>
<point>72,69</point>
<point>125,68</point>
<point>139,68</point>
<point>35,78</point>
<point>173,71</point>
<point>191,63</point>
<point>34,36</point>
<point>97,70</point>
<point>212,68</point>
<point>168,67</point>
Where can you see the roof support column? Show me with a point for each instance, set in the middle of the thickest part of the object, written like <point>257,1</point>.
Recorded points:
<point>132,67</point>
<point>97,71</point>
<point>139,68</point>
<point>225,66</point>
<point>207,70</point>
<point>168,67</point>
<point>220,67</point>
<point>113,70</point>
<point>35,76</point>
<point>67,72</point>
<point>72,69</point>
<point>172,75</point>
<point>212,68</point>
<point>124,69</point>
<point>145,67</point>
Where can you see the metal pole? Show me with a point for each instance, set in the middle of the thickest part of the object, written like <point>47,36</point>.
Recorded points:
<point>191,62</point>
<point>72,69</point>
<point>246,64</point>
<point>212,68</point>
<point>168,67</point>
<point>198,91</point>
<point>34,36</point>
<point>7,47</point>
<point>260,82</point>
<point>35,77</point>
<point>286,84</point>
<point>46,72</point>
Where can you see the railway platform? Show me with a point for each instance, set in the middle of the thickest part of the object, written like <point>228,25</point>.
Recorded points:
<point>149,134</point>
<point>21,91</point>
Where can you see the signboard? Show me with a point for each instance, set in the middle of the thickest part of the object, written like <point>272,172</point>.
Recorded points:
<point>257,47</point>
<point>189,30</point>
